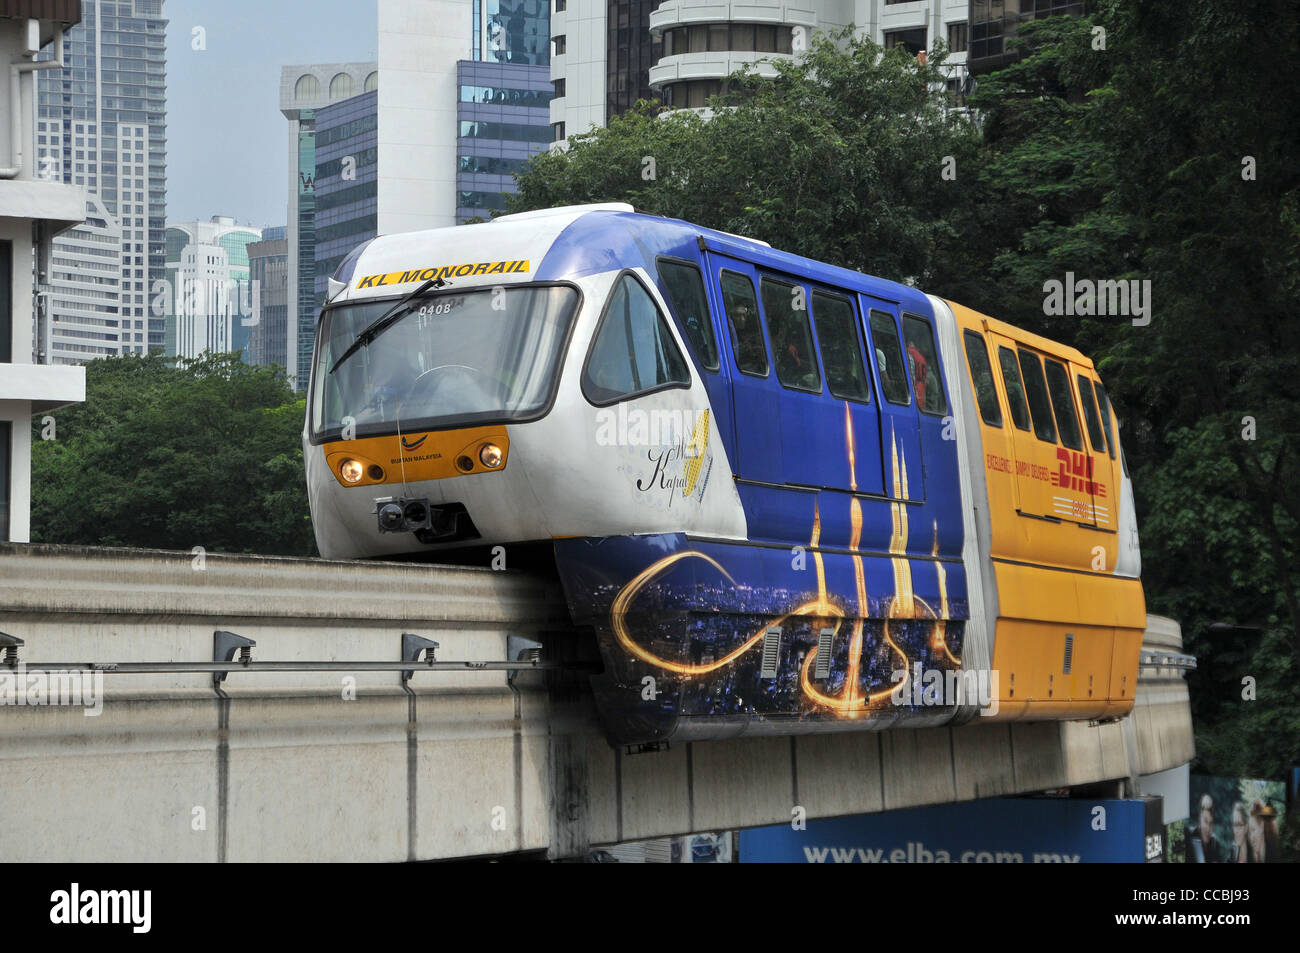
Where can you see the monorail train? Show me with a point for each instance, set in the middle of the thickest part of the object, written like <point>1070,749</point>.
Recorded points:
<point>787,497</point>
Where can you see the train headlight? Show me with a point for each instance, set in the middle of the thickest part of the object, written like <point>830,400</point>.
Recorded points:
<point>490,455</point>
<point>351,470</point>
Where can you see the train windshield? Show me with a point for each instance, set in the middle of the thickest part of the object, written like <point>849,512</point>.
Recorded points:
<point>454,358</point>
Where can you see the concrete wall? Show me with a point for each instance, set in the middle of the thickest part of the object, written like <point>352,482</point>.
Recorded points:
<point>286,768</point>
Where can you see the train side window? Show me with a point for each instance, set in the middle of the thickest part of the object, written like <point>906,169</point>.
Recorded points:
<point>889,359</point>
<point>837,334</point>
<point>685,287</point>
<point>786,308</point>
<point>923,363</point>
<point>1089,401</point>
<point>1040,408</point>
<point>633,351</point>
<point>1067,421</point>
<point>1015,389</point>
<point>742,318</point>
<point>981,375</point>
<point>1103,402</point>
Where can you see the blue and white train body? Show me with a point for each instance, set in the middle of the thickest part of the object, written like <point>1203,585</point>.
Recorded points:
<point>765,480</point>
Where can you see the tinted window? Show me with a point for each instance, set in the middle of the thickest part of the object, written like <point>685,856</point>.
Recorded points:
<point>742,318</point>
<point>1103,402</point>
<point>634,351</point>
<point>685,287</point>
<point>786,308</point>
<point>1067,422</point>
<point>923,364</point>
<point>889,359</point>
<point>1036,390</point>
<point>837,335</point>
<point>1015,390</point>
<point>1090,414</point>
<point>981,375</point>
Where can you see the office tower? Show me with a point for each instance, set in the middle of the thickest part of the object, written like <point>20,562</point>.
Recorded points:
<point>211,304</point>
<point>102,126</point>
<point>609,53</point>
<point>347,164</point>
<point>268,262</point>
<point>503,118</point>
<point>463,97</point>
<point>303,91</point>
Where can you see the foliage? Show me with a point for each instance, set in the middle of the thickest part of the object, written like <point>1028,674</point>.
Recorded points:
<point>839,157</point>
<point>176,454</point>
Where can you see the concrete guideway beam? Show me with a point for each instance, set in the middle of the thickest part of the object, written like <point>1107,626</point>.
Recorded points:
<point>297,765</point>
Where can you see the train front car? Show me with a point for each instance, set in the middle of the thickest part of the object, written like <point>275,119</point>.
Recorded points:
<point>753,470</point>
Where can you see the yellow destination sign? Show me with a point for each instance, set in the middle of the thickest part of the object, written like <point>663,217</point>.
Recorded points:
<point>468,270</point>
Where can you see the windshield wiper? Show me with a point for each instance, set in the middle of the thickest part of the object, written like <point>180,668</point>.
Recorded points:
<point>386,320</point>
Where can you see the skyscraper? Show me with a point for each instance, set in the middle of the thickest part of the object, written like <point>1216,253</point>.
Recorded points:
<point>212,306</point>
<point>102,124</point>
<point>268,266</point>
<point>463,98</point>
<point>346,172</point>
<point>610,53</point>
<point>303,91</point>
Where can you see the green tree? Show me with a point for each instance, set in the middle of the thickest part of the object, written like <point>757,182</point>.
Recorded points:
<point>841,157</point>
<point>175,454</point>
<point>1169,157</point>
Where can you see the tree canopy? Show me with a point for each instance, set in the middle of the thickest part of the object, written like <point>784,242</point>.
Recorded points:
<point>175,454</point>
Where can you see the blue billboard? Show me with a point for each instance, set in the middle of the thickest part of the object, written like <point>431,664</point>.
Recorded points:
<point>997,831</point>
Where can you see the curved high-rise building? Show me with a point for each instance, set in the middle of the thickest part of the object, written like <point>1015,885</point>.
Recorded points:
<point>610,53</point>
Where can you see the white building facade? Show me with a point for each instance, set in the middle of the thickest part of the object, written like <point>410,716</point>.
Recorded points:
<point>607,54</point>
<point>213,302</point>
<point>32,211</point>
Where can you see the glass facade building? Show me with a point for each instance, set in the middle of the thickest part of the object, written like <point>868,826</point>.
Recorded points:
<point>307,94</point>
<point>268,264</point>
<point>504,118</point>
<point>512,31</point>
<point>346,174</point>
<point>632,49</point>
<point>503,108</point>
<point>102,125</point>
<point>993,22</point>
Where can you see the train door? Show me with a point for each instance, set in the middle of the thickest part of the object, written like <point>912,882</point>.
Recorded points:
<point>1104,486</point>
<point>756,395</point>
<point>900,440</point>
<point>1074,478</point>
<point>684,288</point>
<point>851,417</point>
<point>1033,434</point>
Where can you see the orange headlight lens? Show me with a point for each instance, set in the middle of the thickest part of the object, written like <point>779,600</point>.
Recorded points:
<point>351,471</point>
<point>490,455</point>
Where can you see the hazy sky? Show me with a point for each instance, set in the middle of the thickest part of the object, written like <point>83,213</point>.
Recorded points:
<point>227,143</point>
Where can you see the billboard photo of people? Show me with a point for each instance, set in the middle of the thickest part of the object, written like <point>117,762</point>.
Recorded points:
<point>1234,820</point>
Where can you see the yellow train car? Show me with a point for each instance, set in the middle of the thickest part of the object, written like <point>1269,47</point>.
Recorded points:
<point>1054,522</point>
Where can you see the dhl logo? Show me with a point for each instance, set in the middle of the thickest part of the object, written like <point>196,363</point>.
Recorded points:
<point>445,271</point>
<point>1075,473</point>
